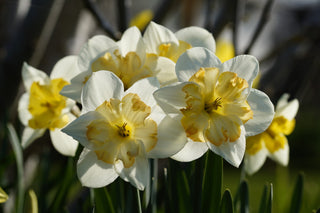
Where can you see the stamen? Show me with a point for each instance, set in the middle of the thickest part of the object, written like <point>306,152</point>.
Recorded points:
<point>213,105</point>
<point>123,131</point>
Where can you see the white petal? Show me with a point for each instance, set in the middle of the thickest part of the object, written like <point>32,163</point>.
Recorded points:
<point>232,152</point>
<point>171,98</point>
<point>131,41</point>
<point>246,66</point>
<point>94,47</point>
<point>29,135</point>
<point>155,35</point>
<point>31,74</point>
<point>197,37</point>
<point>263,112</point>
<point>24,113</point>
<point>166,71</point>
<point>100,87</point>
<point>287,109</point>
<point>138,174</point>
<point>281,156</point>
<point>191,151</point>
<point>144,88</point>
<point>191,61</point>
<point>252,163</point>
<point>171,139</point>
<point>74,89</point>
<point>78,128</point>
<point>93,172</point>
<point>65,68</point>
<point>63,143</point>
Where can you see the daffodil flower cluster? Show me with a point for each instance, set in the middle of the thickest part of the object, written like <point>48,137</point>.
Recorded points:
<point>159,95</point>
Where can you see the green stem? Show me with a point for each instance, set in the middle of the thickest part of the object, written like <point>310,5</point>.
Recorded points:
<point>139,201</point>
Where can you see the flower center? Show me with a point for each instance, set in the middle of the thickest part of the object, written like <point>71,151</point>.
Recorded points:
<point>121,128</point>
<point>129,68</point>
<point>46,105</point>
<point>216,107</point>
<point>173,51</point>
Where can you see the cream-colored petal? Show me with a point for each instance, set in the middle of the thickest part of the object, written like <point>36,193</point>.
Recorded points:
<point>191,151</point>
<point>192,60</point>
<point>232,152</point>
<point>31,74</point>
<point>171,139</point>
<point>281,156</point>
<point>252,163</point>
<point>100,87</point>
<point>197,37</point>
<point>24,114</point>
<point>29,135</point>
<point>287,109</point>
<point>263,112</point>
<point>166,71</point>
<point>94,173</point>
<point>65,68</point>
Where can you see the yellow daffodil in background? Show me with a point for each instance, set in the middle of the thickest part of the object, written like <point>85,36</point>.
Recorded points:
<point>216,104</point>
<point>126,58</point>
<point>272,142</point>
<point>161,41</point>
<point>42,107</point>
<point>225,50</point>
<point>3,196</point>
<point>142,19</point>
<point>120,129</point>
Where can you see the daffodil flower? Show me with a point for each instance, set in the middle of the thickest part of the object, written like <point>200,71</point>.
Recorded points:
<point>120,129</point>
<point>163,42</point>
<point>216,104</point>
<point>126,58</point>
<point>272,142</point>
<point>42,107</point>
<point>3,196</point>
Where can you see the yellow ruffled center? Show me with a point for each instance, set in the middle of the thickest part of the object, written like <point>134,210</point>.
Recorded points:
<point>173,51</point>
<point>122,127</point>
<point>129,68</point>
<point>274,138</point>
<point>46,105</point>
<point>216,106</point>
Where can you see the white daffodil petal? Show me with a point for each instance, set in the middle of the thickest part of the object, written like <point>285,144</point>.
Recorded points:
<point>283,101</point>
<point>191,61</point>
<point>281,155</point>
<point>93,172</point>
<point>289,111</point>
<point>252,163</point>
<point>100,87</point>
<point>23,111</point>
<point>131,41</point>
<point>144,88</point>
<point>246,66</point>
<point>138,174</point>
<point>94,47</point>
<point>232,152</point>
<point>171,98</point>
<point>191,151</point>
<point>171,138</point>
<point>31,74</point>
<point>63,143</point>
<point>29,135</point>
<point>263,112</point>
<point>78,128</point>
<point>156,35</point>
<point>74,89</point>
<point>65,68</point>
<point>166,71</point>
<point>197,37</point>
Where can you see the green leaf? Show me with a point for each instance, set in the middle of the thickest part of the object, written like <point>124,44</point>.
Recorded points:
<point>103,202</point>
<point>226,205</point>
<point>212,182</point>
<point>184,199</point>
<point>266,199</point>
<point>244,197</point>
<point>296,200</point>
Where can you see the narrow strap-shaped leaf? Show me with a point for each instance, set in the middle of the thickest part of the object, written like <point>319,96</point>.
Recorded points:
<point>184,198</point>
<point>212,182</point>
<point>270,199</point>
<point>226,205</point>
<point>296,199</point>
<point>244,197</point>
<point>266,199</point>
<point>103,202</point>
